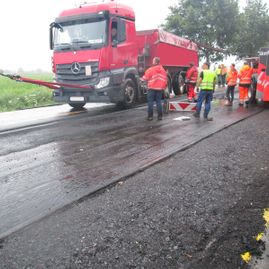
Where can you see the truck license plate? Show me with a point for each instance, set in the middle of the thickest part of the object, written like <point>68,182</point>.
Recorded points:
<point>77,98</point>
<point>88,70</point>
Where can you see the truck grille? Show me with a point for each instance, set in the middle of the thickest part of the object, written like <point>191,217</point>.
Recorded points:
<point>64,73</point>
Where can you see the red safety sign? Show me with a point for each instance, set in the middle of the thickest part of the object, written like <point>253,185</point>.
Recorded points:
<point>182,106</point>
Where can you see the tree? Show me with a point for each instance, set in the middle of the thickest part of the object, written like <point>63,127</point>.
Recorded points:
<point>253,32</point>
<point>212,23</point>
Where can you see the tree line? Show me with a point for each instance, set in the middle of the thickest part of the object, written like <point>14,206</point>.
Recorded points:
<point>221,27</point>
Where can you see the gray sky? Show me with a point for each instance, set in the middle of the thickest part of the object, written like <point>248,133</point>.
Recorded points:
<point>25,28</point>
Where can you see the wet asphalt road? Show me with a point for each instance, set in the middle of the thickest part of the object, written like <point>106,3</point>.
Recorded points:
<point>193,205</point>
<point>48,167</point>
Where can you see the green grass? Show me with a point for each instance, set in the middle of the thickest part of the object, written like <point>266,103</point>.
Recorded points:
<point>19,95</point>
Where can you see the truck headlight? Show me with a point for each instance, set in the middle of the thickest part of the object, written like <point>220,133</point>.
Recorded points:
<point>102,83</point>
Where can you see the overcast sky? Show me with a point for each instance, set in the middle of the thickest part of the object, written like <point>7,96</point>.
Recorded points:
<point>25,28</point>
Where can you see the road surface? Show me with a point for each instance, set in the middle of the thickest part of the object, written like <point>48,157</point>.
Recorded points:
<point>112,190</point>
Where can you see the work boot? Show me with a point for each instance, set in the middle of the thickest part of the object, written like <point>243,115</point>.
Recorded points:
<point>208,118</point>
<point>160,117</point>
<point>228,103</point>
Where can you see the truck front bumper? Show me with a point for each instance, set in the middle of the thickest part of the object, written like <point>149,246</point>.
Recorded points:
<point>108,89</point>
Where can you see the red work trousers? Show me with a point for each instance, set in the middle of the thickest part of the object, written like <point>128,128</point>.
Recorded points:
<point>243,93</point>
<point>190,91</point>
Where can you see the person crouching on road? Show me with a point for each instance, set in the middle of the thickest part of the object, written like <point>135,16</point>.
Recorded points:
<point>191,80</point>
<point>231,83</point>
<point>157,82</point>
<point>207,83</point>
<point>244,76</point>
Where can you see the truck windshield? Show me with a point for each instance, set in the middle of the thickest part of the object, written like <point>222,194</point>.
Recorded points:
<point>80,33</point>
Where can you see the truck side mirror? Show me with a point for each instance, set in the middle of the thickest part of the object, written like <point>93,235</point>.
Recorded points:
<point>51,39</point>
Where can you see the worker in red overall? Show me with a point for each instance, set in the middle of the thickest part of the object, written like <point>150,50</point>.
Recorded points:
<point>157,81</point>
<point>244,76</point>
<point>191,80</point>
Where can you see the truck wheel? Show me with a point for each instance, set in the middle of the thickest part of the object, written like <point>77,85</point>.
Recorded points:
<point>77,105</point>
<point>168,88</point>
<point>184,88</point>
<point>178,83</point>
<point>169,85</point>
<point>129,92</point>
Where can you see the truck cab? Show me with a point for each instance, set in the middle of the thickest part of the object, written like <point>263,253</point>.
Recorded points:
<point>95,45</point>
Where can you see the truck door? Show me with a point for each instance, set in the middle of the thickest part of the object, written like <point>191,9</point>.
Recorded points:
<point>123,53</point>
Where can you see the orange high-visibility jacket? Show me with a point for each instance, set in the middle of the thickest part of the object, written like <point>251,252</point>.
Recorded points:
<point>156,77</point>
<point>192,74</point>
<point>232,77</point>
<point>245,75</point>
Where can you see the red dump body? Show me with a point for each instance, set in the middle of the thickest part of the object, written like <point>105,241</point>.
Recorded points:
<point>174,51</point>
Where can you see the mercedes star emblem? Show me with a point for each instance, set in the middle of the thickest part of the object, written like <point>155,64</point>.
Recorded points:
<point>75,68</point>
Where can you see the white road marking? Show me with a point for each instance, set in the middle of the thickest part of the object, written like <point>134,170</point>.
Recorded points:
<point>182,118</point>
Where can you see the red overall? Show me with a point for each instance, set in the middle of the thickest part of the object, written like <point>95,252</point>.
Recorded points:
<point>191,79</point>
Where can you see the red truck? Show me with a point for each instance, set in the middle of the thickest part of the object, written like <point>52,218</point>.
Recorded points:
<point>259,89</point>
<point>97,46</point>
<point>263,76</point>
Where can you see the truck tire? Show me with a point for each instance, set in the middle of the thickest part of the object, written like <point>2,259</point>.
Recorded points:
<point>168,88</point>
<point>129,92</point>
<point>178,84</point>
<point>77,105</point>
<point>184,88</point>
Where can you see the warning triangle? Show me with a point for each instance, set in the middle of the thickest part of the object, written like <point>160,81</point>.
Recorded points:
<point>172,107</point>
<point>183,105</point>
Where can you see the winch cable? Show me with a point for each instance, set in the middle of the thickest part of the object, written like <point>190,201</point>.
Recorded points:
<point>51,85</point>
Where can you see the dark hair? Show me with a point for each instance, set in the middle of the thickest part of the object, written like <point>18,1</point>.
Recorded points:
<point>233,65</point>
<point>156,60</point>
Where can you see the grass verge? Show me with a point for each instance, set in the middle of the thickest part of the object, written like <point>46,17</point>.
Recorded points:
<point>19,95</point>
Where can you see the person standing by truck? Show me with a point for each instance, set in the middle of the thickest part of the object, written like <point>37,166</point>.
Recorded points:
<point>191,80</point>
<point>231,83</point>
<point>157,82</point>
<point>244,76</point>
<point>207,83</point>
<point>254,79</point>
